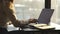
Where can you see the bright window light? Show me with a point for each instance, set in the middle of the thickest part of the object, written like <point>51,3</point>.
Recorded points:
<point>30,9</point>
<point>30,0</point>
<point>25,0</point>
<point>35,9</point>
<point>19,5</point>
<point>38,0</point>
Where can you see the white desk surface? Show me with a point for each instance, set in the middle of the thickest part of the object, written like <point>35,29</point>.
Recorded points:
<point>11,27</point>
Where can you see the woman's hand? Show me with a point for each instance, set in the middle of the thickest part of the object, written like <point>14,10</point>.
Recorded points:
<point>33,20</point>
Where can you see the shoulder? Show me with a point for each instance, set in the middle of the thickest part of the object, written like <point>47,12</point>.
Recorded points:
<point>11,0</point>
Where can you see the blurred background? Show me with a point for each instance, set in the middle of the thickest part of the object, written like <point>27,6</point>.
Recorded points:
<point>26,9</point>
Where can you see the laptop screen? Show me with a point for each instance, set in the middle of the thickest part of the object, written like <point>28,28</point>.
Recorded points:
<point>45,16</point>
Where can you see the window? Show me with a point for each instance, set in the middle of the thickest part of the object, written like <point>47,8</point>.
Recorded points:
<point>26,9</point>
<point>55,4</point>
<point>58,11</point>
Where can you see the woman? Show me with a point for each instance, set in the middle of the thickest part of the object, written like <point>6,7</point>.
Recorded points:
<point>7,13</point>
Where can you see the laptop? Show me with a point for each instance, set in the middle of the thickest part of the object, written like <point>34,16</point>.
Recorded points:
<point>44,19</point>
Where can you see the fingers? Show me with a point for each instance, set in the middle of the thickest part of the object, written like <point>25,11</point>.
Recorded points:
<point>32,20</point>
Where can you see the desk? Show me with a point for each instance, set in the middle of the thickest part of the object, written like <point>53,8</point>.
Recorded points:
<point>12,28</point>
<point>57,26</point>
<point>36,31</point>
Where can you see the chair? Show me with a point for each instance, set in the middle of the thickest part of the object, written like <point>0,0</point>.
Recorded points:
<point>45,16</point>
